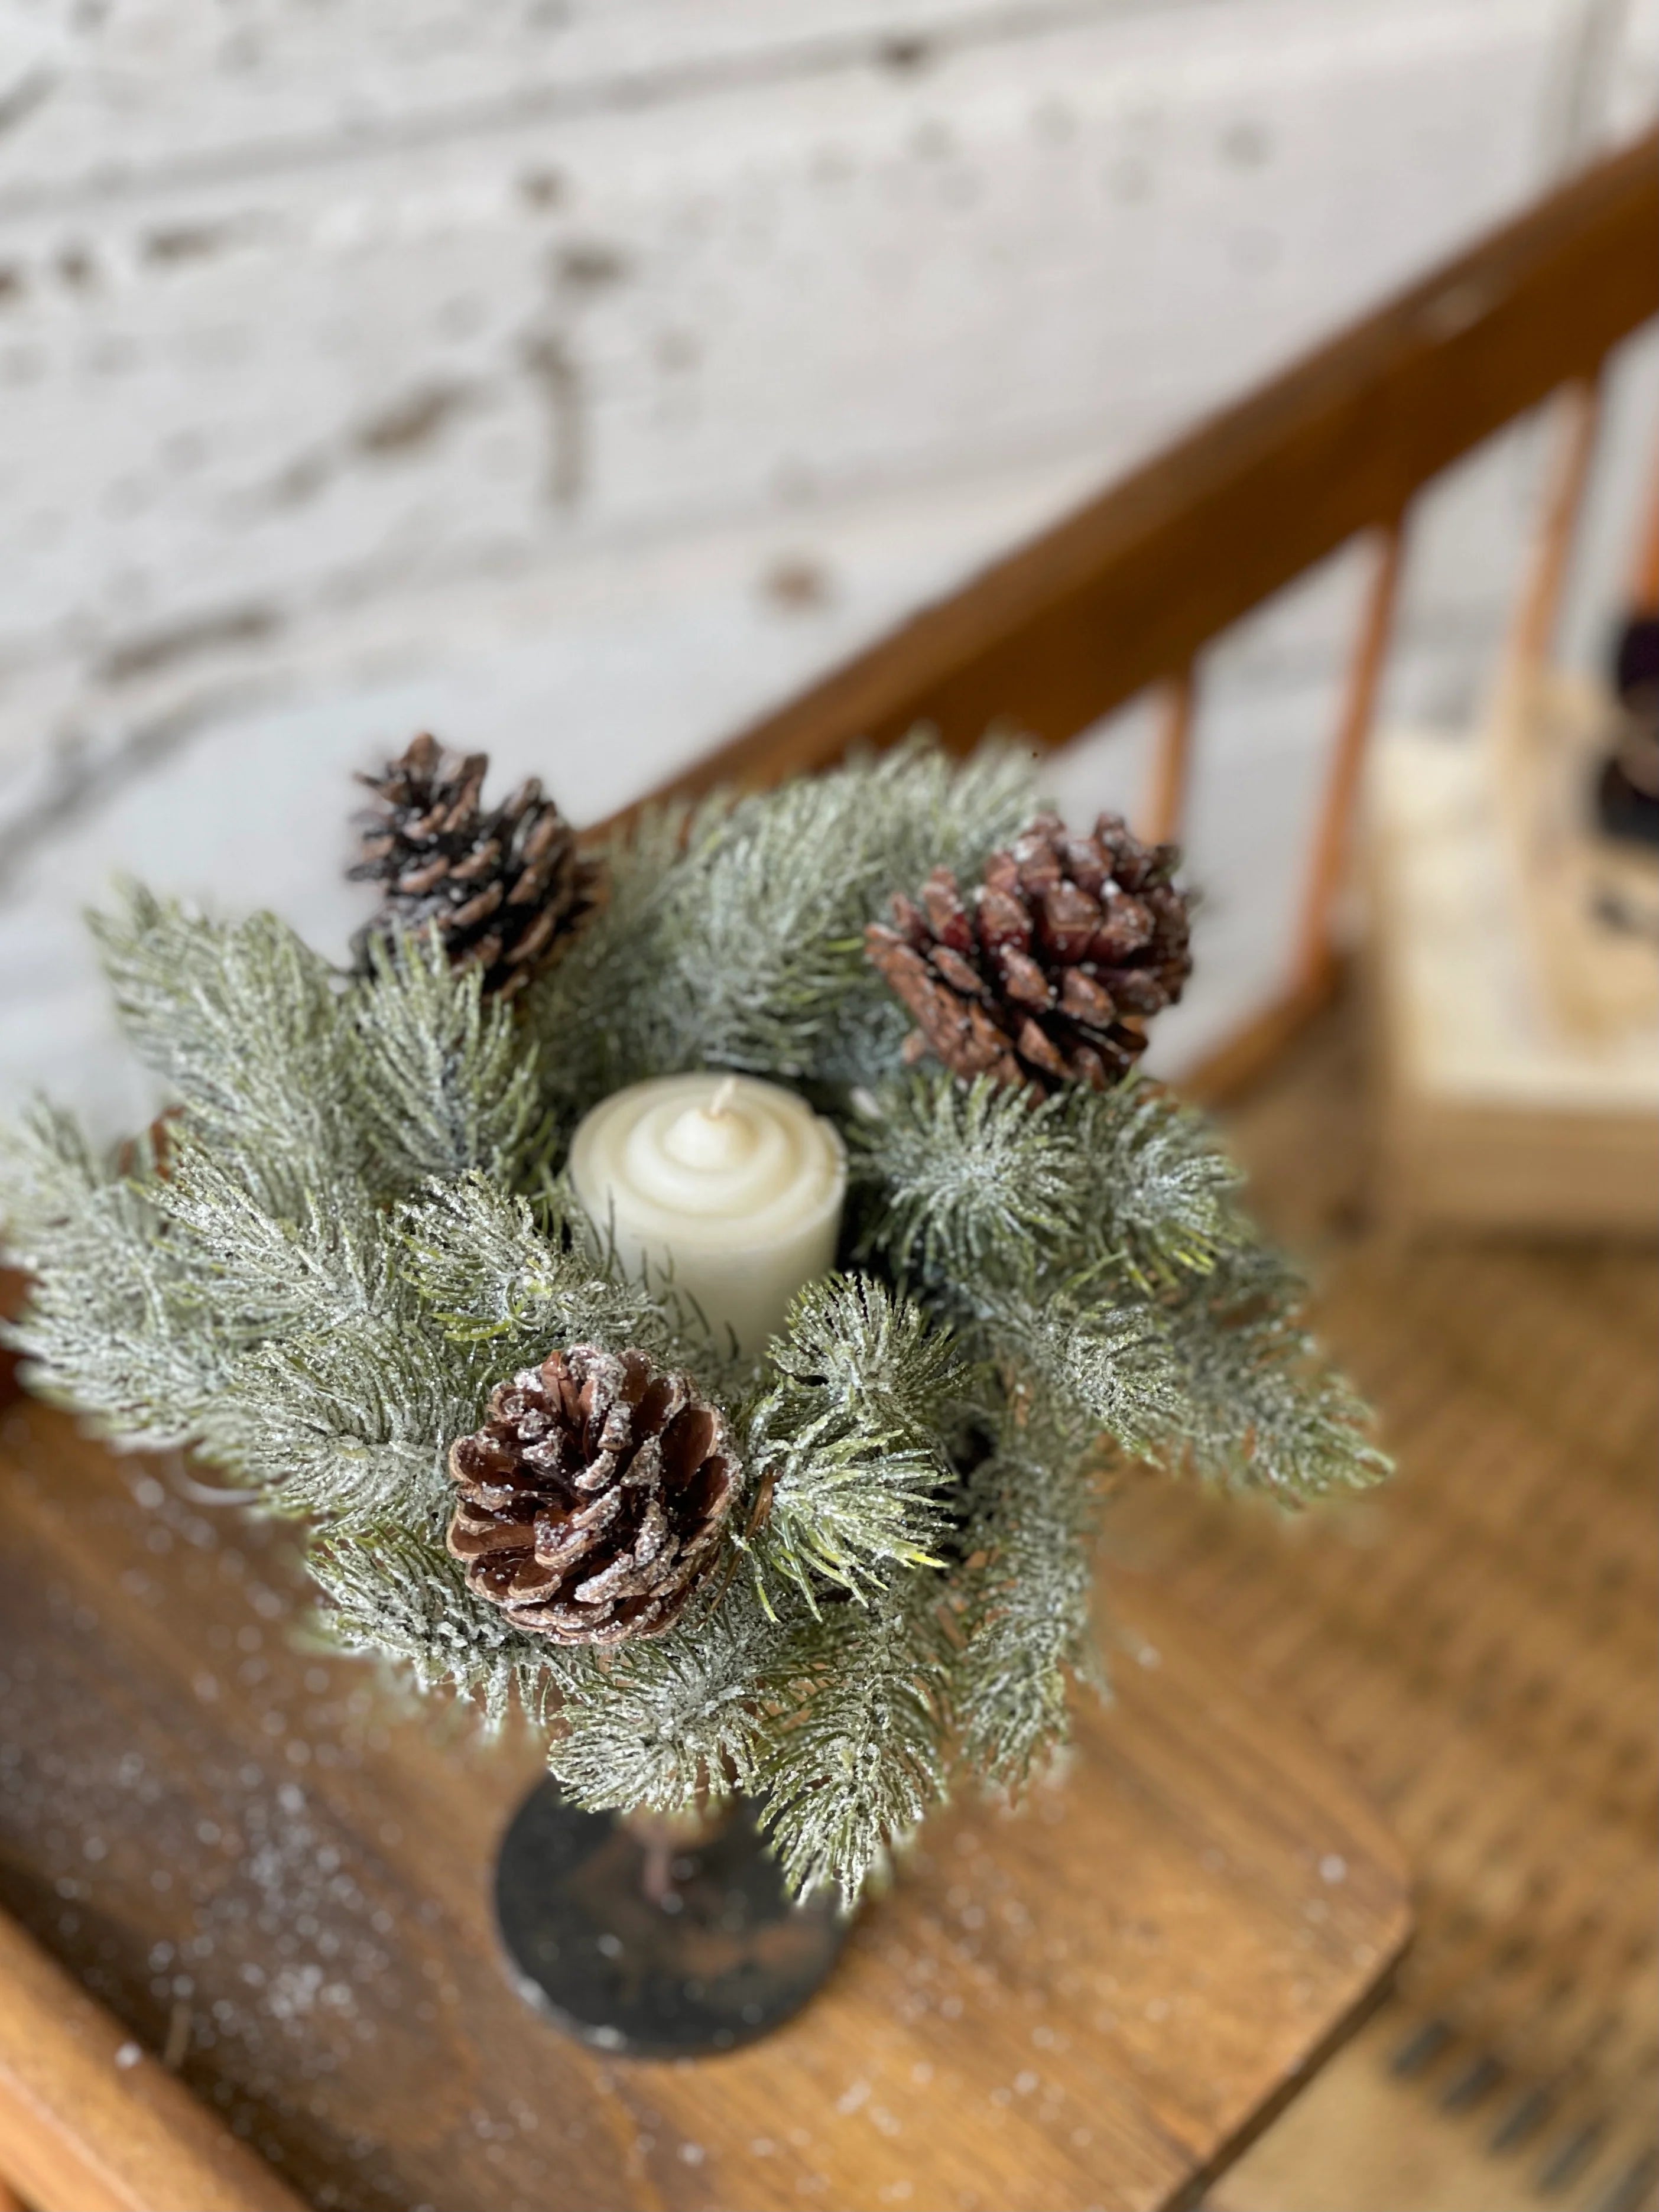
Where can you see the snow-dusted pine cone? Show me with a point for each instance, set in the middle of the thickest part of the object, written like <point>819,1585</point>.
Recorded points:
<point>1046,973</point>
<point>502,887</point>
<point>591,1500</point>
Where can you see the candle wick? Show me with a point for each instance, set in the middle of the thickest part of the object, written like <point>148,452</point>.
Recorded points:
<point>724,1095</point>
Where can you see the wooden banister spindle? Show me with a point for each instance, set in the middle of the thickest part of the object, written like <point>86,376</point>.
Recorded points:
<point>1172,758</point>
<point>1315,957</point>
<point>1644,578</point>
<point>1540,606</point>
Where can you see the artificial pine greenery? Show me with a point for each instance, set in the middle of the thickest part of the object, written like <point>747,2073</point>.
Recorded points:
<point>353,1225</point>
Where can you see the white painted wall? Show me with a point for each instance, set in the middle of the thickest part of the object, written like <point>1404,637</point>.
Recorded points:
<point>577,379</point>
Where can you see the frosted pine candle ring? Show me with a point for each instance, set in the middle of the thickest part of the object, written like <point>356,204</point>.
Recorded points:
<point>728,1188</point>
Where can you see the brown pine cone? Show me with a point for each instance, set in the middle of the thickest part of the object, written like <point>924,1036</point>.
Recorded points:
<point>502,889</point>
<point>1048,974</point>
<point>593,1496</point>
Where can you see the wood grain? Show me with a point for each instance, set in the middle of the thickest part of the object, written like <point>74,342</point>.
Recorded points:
<point>1092,2003</point>
<point>1482,1637</point>
<point>91,2123</point>
<point>1136,582</point>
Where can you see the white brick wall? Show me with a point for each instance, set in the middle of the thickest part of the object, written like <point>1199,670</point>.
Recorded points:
<point>580,377</point>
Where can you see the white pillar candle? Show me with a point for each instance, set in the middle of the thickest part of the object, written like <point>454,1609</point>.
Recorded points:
<point>729,1188</point>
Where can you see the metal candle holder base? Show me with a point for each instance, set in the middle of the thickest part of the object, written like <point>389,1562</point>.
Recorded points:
<point>654,1948</point>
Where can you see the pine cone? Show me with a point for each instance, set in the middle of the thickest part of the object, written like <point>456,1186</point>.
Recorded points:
<point>502,889</point>
<point>1047,976</point>
<point>593,1496</point>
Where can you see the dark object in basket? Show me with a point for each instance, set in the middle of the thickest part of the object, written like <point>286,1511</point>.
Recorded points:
<point>1636,665</point>
<point>1627,782</point>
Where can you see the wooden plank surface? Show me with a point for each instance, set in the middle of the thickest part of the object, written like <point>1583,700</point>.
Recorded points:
<point>1481,1637</point>
<point>245,1847</point>
<point>90,2122</point>
<point>1127,589</point>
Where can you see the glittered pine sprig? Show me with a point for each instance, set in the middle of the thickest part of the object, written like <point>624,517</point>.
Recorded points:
<point>838,1562</point>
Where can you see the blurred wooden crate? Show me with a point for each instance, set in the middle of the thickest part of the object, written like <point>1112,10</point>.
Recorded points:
<point>1516,978</point>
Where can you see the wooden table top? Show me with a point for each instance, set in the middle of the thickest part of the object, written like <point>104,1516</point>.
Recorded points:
<point>270,1866</point>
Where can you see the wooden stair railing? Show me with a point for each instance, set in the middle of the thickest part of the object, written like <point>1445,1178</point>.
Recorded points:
<point>1126,591</point>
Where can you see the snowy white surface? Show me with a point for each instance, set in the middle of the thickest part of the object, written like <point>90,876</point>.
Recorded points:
<point>485,367</point>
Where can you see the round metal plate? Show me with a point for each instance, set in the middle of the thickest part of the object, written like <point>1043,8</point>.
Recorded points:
<point>723,1960</point>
